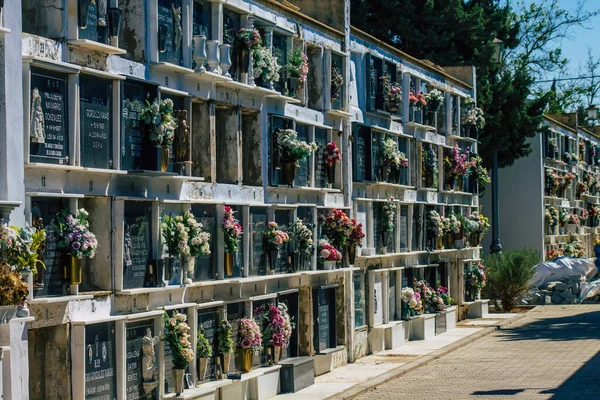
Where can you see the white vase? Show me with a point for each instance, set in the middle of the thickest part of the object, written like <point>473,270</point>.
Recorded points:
<point>328,265</point>
<point>200,52</point>
<point>225,59</point>
<point>212,54</point>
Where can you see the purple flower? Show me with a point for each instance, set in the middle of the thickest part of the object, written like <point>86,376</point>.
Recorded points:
<point>76,245</point>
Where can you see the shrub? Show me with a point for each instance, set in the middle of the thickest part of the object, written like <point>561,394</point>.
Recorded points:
<point>508,274</point>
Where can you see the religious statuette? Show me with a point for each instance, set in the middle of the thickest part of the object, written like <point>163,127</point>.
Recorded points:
<point>149,370</point>
<point>101,12</point>
<point>177,27</point>
<point>37,128</point>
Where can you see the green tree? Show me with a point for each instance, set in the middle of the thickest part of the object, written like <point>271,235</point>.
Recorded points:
<point>461,32</point>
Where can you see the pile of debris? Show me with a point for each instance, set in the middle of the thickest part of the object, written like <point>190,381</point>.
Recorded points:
<point>564,291</point>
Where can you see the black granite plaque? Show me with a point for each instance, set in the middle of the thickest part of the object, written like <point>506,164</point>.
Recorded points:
<point>135,96</point>
<point>170,23</point>
<point>137,250</point>
<point>358,280</point>
<point>362,138</point>
<point>54,283</point>
<point>324,313</point>
<point>205,265</point>
<point>302,176</point>
<point>403,228</point>
<point>375,154</point>
<point>134,379</point>
<point>100,362</point>
<point>258,256</point>
<point>49,91</point>
<point>392,295</point>
<point>281,123</point>
<point>280,51</point>
<point>208,322</point>
<point>291,302</point>
<point>336,60</point>
<point>320,172</point>
<point>377,240</point>
<point>95,122</point>
<point>94,31</point>
<point>282,217</point>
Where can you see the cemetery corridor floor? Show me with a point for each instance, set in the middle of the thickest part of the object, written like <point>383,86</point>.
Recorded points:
<point>552,353</point>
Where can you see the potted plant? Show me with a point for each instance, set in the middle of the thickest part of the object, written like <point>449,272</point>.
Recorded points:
<point>332,157</point>
<point>337,81</point>
<point>435,227</point>
<point>13,291</point>
<point>265,67</point>
<point>76,239</point>
<point>177,337</point>
<point>301,235</point>
<point>387,222</point>
<point>411,303</point>
<point>249,340</point>
<point>392,93</point>
<point>328,255</point>
<point>232,234</point>
<point>276,238</point>
<point>225,345</point>
<point>355,240</point>
<point>203,353</point>
<point>291,151</point>
<point>198,244</point>
<point>20,248</point>
<point>297,68</point>
<point>276,328</point>
<point>434,100</point>
<point>158,121</point>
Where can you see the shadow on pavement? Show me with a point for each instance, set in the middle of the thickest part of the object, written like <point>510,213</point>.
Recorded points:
<point>500,392</point>
<point>583,384</point>
<point>575,327</point>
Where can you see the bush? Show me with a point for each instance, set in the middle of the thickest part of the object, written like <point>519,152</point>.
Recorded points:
<point>508,274</point>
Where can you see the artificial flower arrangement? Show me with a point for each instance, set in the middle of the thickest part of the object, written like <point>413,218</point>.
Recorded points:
<point>388,213</point>
<point>293,150</point>
<point>13,289</point>
<point>581,188</point>
<point>571,158</point>
<point>477,278</point>
<point>203,347</point>
<point>594,212</point>
<point>157,118</point>
<point>430,160</point>
<point>338,227</point>
<point>249,337</point>
<point>443,292</point>
<point>224,340</point>
<point>265,64</point>
<point>356,234</point>
<point>297,65</point>
<point>590,181</point>
<point>553,254</point>
<point>474,117</point>
<point>19,247</point>
<point>553,180</point>
<point>276,325</point>
<point>566,181</point>
<point>417,101</point>
<point>392,92</point>
<point>337,81</point>
<point>177,337</point>
<point>301,234</point>
<point>454,224</point>
<point>457,162</point>
<point>574,249</point>
<point>551,216</point>
<point>426,293</point>
<point>434,100</point>
<point>328,252</point>
<point>563,217</point>
<point>183,235</point>
<point>332,154</point>
<point>581,148</point>
<point>435,224</point>
<point>247,39</point>
<point>573,219</point>
<point>479,172</point>
<point>584,215</point>
<point>411,302</point>
<point>391,155</point>
<point>553,146</point>
<point>276,238</point>
<point>232,231</point>
<point>75,235</point>
<point>198,240</point>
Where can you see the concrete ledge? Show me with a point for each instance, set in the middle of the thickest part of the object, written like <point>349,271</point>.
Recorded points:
<point>478,309</point>
<point>204,391</point>
<point>258,384</point>
<point>330,359</point>
<point>394,335</point>
<point>376,339</point>
<point>450,317</point>
<point>362,388</point>
<point>422,327</point>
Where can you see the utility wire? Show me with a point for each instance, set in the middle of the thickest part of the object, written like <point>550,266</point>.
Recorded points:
<point>568,79</point>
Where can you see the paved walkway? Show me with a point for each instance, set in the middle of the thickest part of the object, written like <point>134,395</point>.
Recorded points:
<point>552,353</point>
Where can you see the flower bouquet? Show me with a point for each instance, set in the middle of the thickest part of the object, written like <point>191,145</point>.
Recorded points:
<point>477,279</point>
<point>301,235</point>
<point>177,337</point>
<point>430,165</point>
<point>411,303</point>
<point>276,327</point>
<point>551,218</point>
<point>435,227</point>
<point>387,222</point>
<point>291,151</point>
<point>224,345</point>
<point>457,167</point>
<point>474,117</point>
<point>198,244</point>
<point>21,247</point>
<point>443,292</point>
<point>392,93</point>
<point>338,227</point>
<point>328,254</point>
<point>247,39</point>
<point>552,147</point>
<point>297,68</point>
<point>391,159</point>
<point>76,239</point>
<point>434,100</point>
<point>204,351</point>
<point>276,239</point>
<point>158,122</point>
<point>265,66</point>
<point>355,240</point>
<point>332,157</point>
<point>249,341</point>
<point>232,234</point>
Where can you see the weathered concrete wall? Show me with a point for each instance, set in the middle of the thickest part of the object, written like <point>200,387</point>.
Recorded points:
<point>251,150</point>
<point>43,17</point>
<point>305,322</point>
<point>228,135</point>
<point>315,77</point>
<point>133,30</point>
<point>201,141</point>
<point>49,361</point>
<point>329,12</point>
<point>97,271</point>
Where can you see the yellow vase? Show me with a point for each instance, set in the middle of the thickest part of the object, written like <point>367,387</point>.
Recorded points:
<point>247,356</point>
<point>75,270</point>
<point>228,264</point>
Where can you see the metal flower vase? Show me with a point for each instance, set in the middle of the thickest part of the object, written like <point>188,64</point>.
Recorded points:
<point>74,270</point>
<point>200,52</point>
<point>202,363</point>
<point>247,359</point>
<point>228,264</point>
<point>178,380</point>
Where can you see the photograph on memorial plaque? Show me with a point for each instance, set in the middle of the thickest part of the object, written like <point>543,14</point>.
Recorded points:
<point>51,281</point>
<point>258,254</point>
<point>93,21</point>
<point>168,359</point>
<point>95,103</point>
<point>137,247</point>
<point>49,125</point>
<point>320,170</point>
<point>206,265</point>
<point>207,322</point>
<point>170,31</point>
<point>100,362</point>
<point>141,381</point>
<point>133,143</point>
